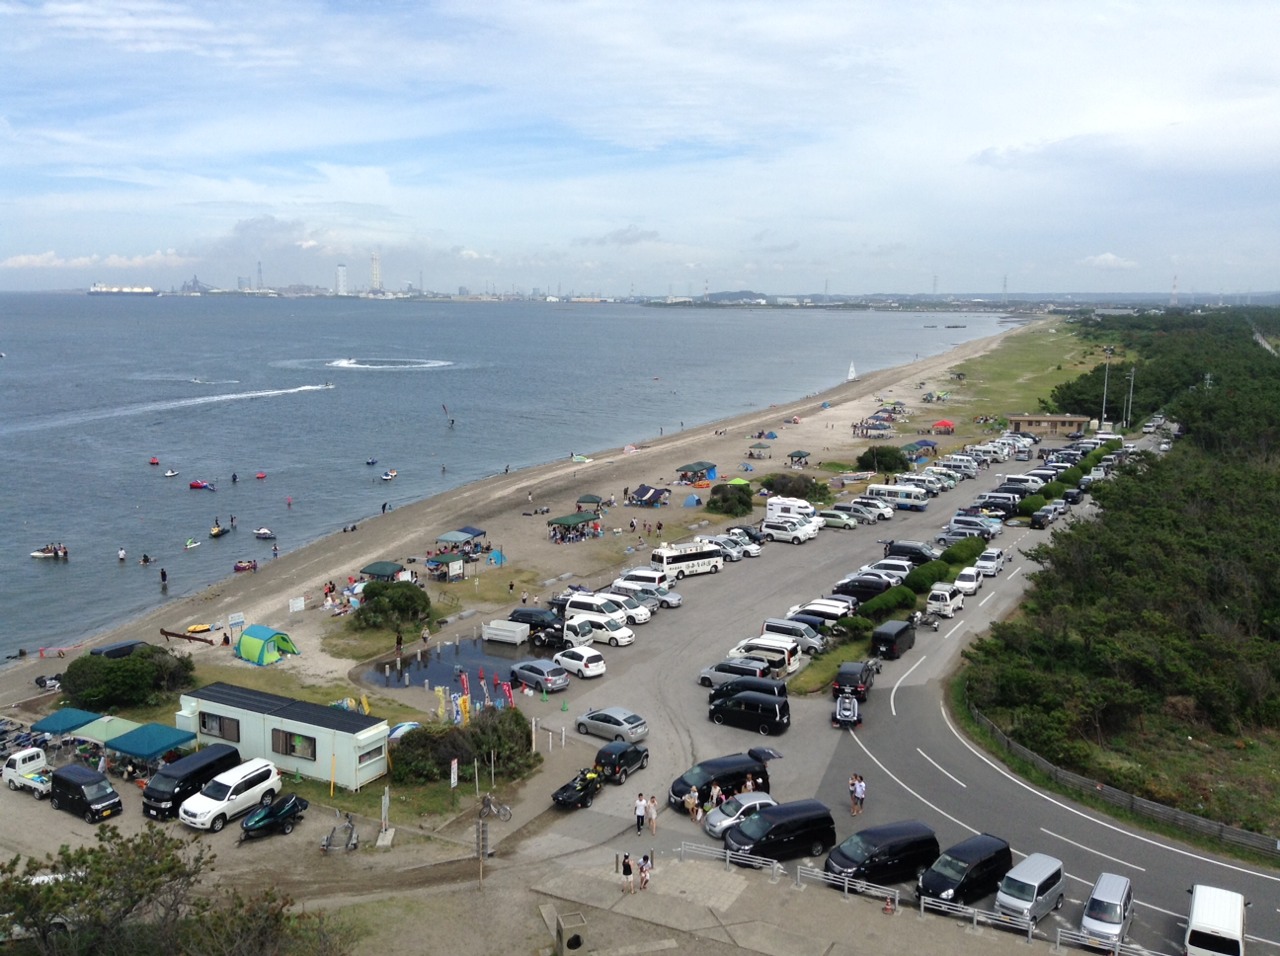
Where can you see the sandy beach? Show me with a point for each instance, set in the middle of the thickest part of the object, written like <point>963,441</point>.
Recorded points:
<point>501,505</point>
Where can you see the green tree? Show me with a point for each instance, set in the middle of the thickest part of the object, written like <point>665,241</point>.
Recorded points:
<point>732,500</point>
<point>394,606</point>
<point>884,458</point>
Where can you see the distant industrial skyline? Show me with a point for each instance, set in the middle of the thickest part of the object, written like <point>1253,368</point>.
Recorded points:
<point>643,148</point>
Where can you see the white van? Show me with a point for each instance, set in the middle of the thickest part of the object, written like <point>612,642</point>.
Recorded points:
<point>771,643</point>
<point>595,604</point>
<point>1215,924</point>
<point>948,477</point>
<point>997,452</point>
<point>1030,482</point>
<point>961,463</point>
<point>648,592</point>
<point>779,507</point>
<point>650,577</point>
<point>932,486</point>
<point>810,641</point>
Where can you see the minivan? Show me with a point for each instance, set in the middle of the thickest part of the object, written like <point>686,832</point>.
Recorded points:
<point>645,592</point>
<point>761,685</point>
<point>84,792</point>
<point>230,794</point>
<point>1032,888</point>
<point>810,641</point>
<point>1215,924</point>
<point>167,790</point>
<point>944,600</point>
<point>766,646</point>
<point>967,871</point>
<point>783,831</point>
<point>917,552</point>
<point>885,854</point>
<point>1108,912</point>
<point>863,587</point>
<point>827,610</point>
<point>729,773</point>
<point>733,667</point>
<point>648,576</point>
<point>596,605</point>
<point>751,710</point>
<point>892,639</point>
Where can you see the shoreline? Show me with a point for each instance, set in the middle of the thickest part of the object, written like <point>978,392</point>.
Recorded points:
<point>499,503</point>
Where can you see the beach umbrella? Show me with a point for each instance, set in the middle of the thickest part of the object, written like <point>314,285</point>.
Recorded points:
<point>798,454</point>
<point>761,444</point>
<point>944,424</point>
<point>589,499</point>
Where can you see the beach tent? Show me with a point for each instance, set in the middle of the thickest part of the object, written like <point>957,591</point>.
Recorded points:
<point>106,728</point>
<point>573,520</point>
<point>455,565</point>
<point>64,721</point>
<point>926,443</point>
<point>453,537</point>
<point>698,470</point>
<point>590,500</point>
<point>263,645</point>
<point>760,446</point>
<point>944,423</point>
<point>650,497</point>
<point>474,532</point>
<point>382,570</point>
<point>692,501</point>
<point>771,435</point>
<point>797,454</point>
<point>399,730</point>
<point>150,741</point>
<point>739,481</point>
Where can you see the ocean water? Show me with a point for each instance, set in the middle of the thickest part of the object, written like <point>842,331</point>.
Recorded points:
<point>91,388</point>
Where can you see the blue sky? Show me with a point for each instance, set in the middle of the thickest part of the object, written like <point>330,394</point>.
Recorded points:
<point>650,147</point>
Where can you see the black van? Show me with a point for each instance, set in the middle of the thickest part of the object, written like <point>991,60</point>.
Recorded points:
<point>84,792</point>
<point>967,871</point>
<point>892,639</point>
<point>862,587</point>
<point>761,685</point>
<point>729,772</point>
<point>783,831</point>
<point>753,710</point>
<point>118,649</point>
<point>886,854</point>
<point>917,552</point>
<point>182,778</point>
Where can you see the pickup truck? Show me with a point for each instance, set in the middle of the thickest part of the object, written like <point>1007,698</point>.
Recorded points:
<point>571,633</point>
<point>29,770</point>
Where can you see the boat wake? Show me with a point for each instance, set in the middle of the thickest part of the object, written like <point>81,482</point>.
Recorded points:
<point>388,365</point>
<point>82,416</point>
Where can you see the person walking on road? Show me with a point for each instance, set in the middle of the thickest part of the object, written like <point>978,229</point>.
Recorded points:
<point>651,814</point>
<point>628,876</point>
<point>853,794</point>
<point>860,793</point>
<point>642,812</point>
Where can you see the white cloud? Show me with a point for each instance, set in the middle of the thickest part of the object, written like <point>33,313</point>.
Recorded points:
<point>1108,261</point>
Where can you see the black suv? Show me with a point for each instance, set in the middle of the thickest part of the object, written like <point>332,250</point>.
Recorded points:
<point>534,617</point>
<point>863,588</point>
<point>620,758</point>
<point>856,678</point>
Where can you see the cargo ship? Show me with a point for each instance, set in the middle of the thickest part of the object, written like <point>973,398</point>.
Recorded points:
<point>99,288</point>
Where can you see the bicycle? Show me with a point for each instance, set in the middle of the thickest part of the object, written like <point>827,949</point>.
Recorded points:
<point>490,806</point>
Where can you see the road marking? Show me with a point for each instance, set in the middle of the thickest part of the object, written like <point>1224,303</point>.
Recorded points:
<point>898,780</point>
<point>893,694</point>
<point>1092,819</point>
<point>1017,570</point>
<point>987,598</point>
<point>1081,846</point>
<point>938,767</point>
<point>954,627</point>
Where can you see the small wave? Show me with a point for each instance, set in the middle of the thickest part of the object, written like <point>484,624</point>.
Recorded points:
<point>223,381</point>
<point>388,365</point>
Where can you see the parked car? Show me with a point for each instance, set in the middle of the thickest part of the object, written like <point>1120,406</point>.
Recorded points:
<point>613,723</point>
<point>582,661</point>
<point>1043,518</point>
<point>230,794</point>
<point>990,562</point>
<point>621,758</point>
<point>540,675</point>
<point>535,617</point>
<point>969,581</point>
<point>732,667</point>
<point>881,509</point>
<point>944,600</point>
<point>955,535</point>
<point>838,519</point>
<point>856,678</point>
<point>734,810</point>
<point>749,533</point>
<point>862,586</point>
<point>898,567</point>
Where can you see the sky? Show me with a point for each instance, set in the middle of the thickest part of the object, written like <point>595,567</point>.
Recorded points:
<point>647,148</point>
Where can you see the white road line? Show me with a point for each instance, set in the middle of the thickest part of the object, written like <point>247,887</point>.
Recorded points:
<point>987,598</point>
<point>938,767</point>
<point>954,628</point>
<point>889,773</point>
<point>1017,570</point>
<point>1092,819</point>
<point>1089,849</point>
<point>893,694</point>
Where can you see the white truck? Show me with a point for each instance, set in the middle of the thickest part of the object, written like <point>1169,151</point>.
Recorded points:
<point>574,632</point>
<point>29,770</point>
<point>505,632</point>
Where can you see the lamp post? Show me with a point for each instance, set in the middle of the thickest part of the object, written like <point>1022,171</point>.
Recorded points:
<point>1106,380</point>
<point>1128,410</point>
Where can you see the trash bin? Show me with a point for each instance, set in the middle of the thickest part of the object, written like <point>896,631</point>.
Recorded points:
<point>571,934</point>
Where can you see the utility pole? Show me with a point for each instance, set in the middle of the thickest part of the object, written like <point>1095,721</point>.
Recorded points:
<point>1128,411</point>
<point>1106,380</point>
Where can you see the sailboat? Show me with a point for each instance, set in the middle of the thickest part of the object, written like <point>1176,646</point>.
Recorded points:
<point>853,376</point>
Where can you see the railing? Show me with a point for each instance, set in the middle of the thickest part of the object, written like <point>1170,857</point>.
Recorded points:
<point>1070,937</point>
<point>975,916</point>
<point>1260,842</point>
<point>731,856</point>
<point>847,884</point>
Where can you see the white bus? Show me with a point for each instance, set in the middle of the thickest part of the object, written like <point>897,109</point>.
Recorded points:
<point>902,497</point>
<point>693,557</point>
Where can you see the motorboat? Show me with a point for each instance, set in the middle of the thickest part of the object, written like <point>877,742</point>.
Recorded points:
<point>217,531</point>
<point>154,460</point>
<point>245,566</point>
<point>198,484</point>
<point>264,534</point>
<point>171,473</point>
<point>191,543</point>
<point>371,461</point>
<point>280,816</point>
<point>389,474</point>
<point>50,552</point>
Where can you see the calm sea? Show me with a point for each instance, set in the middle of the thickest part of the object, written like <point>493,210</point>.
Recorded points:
<point>91,388</point>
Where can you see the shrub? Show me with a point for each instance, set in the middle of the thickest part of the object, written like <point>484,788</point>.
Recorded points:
<point>856,627</point>
<point>732,500</point>
<point>393,606</point>
<point>891,460</point>
<point>98,682</point>
<point>1053,489</point>
<point>895,599</point>
<point>1030,505</point>
<point>796,486</point>
<point>924,577</point>
<point>424,755</point>
<point>964,553</point>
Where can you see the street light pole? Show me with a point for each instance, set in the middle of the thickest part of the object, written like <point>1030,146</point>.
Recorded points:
<point>1106,380</point>
<point>1128,412</point>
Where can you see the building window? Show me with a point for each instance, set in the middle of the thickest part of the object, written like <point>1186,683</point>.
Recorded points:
<point>369,755</point>
<point>293,745</point>
<point>215,725</point>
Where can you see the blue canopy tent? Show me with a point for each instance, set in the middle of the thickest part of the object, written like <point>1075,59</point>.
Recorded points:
<point>474,532</point>
<point>453,537</point>
<point>650,497</point>
<point>150,741</point>
<point>64,721</point>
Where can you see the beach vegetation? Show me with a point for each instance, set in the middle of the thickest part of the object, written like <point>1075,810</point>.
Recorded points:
<point>921,579</point>
<point>899,598</point>
<point>1031,504</point>
<point>145,677</point>
<point>396,606</point>
<point>1147,651</point>
<point>734,501</point>
<point>964,553</point>
<point>884,458</point>
<point>797,486</point>
<point>424,755</point>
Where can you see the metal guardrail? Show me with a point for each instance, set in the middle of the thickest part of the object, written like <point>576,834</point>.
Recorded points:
<point>1070,937</point>
<point>847,884</point>
<point>1261,842</point>
<point>975,916</point>
<point>731,857</point>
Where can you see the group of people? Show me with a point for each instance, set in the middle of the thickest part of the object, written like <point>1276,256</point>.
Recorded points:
<point>857,793</point>
<point>648,528</point>
<point>645,866</point>
<point>646,814</point>
<point>558,534</point>
<point>715,797</point>
<point>58,550</point>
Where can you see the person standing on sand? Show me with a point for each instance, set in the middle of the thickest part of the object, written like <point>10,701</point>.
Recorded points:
<point>524,597</point>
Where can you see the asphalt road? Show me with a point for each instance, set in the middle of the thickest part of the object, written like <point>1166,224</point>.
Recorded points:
<point>916,763</point>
